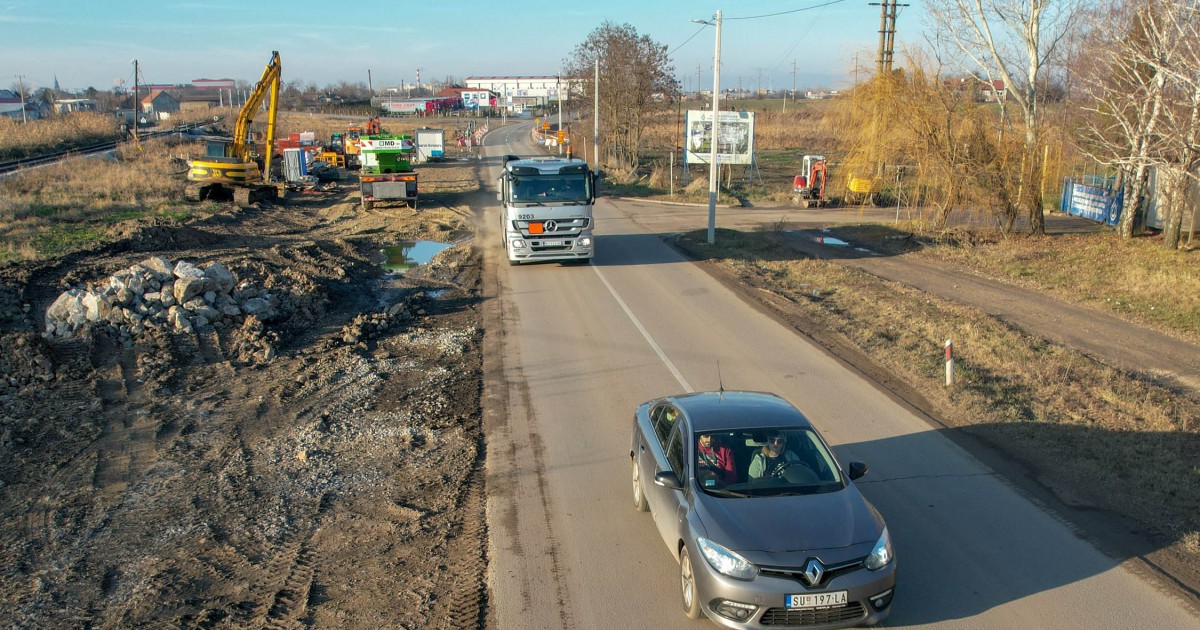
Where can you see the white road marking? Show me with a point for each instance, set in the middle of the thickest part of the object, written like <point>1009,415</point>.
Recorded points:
<point>650,340</point>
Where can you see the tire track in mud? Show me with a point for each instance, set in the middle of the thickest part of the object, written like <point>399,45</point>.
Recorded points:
<point>467,558</point>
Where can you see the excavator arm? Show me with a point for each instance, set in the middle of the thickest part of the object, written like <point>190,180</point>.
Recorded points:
<point>268,83</point>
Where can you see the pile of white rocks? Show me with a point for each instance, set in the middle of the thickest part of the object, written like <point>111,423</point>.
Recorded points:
<point>154,294</point>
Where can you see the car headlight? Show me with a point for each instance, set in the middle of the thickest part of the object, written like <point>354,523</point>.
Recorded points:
<point>881,554</point>
<point>726,562</point>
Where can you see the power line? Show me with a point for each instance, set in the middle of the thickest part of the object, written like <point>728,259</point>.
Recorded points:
<point>815,6</point>
<point>675,49</point>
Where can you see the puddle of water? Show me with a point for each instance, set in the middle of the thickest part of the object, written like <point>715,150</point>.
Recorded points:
<point>829,240</point>
<point>409,254</point>
<point>436,293</point>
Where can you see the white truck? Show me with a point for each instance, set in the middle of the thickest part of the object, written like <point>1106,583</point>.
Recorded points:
<point>546,210</point>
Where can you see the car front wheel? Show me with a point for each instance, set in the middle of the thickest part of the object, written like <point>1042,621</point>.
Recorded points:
<point>687,580</point>
<point>639,497</point>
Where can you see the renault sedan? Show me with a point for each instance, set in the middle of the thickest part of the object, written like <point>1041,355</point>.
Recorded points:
<point>767,526</point>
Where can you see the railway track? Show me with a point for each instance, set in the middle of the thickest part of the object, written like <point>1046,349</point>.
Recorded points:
<point>13,166</point>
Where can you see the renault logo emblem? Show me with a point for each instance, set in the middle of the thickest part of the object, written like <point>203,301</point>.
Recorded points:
<point>550,226</point>
<point>814,572</point>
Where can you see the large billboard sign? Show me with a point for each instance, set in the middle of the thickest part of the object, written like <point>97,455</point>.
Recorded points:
<point>735,137</point>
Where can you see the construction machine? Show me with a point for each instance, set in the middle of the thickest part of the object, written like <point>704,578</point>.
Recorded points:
<point>236,171</point>
<point>808,189</point>
<point>353,140</point>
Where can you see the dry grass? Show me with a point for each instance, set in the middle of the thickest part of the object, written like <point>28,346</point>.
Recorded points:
<point>65,206</point>
<point>37,137</point>
<point>1096,435</point>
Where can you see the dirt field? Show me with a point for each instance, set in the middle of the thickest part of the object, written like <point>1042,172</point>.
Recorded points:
<point>322,468</point>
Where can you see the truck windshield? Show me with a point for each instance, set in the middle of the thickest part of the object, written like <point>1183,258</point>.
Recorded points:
<point>550,188</point>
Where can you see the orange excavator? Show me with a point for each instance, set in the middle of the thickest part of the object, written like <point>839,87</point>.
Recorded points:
<point>353,144</point>
<point>809,189</point>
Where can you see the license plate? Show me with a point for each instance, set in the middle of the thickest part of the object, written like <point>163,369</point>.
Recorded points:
<point>818,600</point>
<point>553,243</point>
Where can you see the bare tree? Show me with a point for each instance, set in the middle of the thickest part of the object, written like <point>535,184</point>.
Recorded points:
<point>1146,116</point>
<point>636,77</point>
<point>1015,40</point>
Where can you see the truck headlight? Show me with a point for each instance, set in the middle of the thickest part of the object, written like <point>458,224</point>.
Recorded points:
<point>725,561</point>
<point>518,243</point>
<point>881,554</point>
<point>585,241</point>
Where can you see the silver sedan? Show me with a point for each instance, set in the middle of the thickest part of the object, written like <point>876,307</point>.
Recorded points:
<point>768,528</point>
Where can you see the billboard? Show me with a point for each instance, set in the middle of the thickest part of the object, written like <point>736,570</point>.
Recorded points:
<point>475,99</point>
<point>735,137</point>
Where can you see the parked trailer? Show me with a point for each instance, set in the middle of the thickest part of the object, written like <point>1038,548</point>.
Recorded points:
<point>387,173</point>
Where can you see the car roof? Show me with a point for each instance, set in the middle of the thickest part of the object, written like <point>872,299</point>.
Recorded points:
<point>716,411</point>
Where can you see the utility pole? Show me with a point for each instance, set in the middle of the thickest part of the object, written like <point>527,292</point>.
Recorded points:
<point>21,81</point>
<point>891,35</point>
<point>596,116</point>
<point>697,81</point>
<point>887,34</point>
<point>793,85</point>
<point>370,85</point>
<point>137,105</point>
<point>712,160</point>
<point>558,97</point>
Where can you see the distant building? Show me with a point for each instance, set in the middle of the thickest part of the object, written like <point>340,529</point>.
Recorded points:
<point>993,91</point>
<point>12,107</point>
<point>159,104</point>
<point>526,91</point>
<point>70,105</point>
<point>472,98</point>
<point>213,84</point>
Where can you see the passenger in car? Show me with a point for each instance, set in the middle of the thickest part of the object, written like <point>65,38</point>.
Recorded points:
<point>770,460</point>
<point>716,458</point>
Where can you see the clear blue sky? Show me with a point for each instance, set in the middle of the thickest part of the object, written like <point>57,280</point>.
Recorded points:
<point>94,42</point>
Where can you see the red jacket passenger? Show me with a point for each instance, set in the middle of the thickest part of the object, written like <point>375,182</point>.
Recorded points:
<point>716,457</point>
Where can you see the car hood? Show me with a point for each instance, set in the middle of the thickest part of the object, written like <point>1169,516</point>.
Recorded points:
<point>779,525</point>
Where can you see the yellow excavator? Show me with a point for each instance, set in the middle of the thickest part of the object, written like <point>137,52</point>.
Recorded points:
<point>237,173</point>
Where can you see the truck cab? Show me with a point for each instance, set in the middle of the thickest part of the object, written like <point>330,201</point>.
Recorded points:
<point>546,210</point>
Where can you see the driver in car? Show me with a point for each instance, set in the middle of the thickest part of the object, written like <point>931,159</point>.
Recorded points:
<point>773,458</point>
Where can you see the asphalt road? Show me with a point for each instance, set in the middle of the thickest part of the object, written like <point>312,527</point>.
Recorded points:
<point>578,348</point>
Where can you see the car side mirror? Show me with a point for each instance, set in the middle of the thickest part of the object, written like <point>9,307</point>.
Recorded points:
<point>857,469</point>
<point>668,479</point>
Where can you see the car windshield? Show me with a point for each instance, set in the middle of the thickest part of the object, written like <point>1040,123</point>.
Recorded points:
<point>764,462</point>
<point>550,188</point>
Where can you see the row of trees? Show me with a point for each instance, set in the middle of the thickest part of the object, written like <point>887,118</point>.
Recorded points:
<point>1143,84</point>
<point>1114,82</point>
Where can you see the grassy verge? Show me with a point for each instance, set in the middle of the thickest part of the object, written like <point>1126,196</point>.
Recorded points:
<point>74,204</point>
<point>1096,436</point>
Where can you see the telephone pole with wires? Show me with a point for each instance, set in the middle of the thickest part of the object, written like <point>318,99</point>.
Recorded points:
<point>887,34</point>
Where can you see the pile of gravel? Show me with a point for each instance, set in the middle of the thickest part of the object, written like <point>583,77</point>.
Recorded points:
<point>156,295</point>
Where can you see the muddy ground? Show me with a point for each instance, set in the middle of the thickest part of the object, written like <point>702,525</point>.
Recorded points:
<point>323,468</point>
